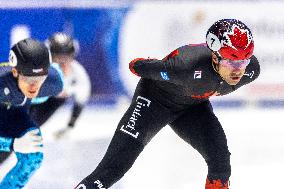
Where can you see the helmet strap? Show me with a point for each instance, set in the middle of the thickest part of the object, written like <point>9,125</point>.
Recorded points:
<point>214,64</point>
<point>215,67</point>
<point>218,56</point>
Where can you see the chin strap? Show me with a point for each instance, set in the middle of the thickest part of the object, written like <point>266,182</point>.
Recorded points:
<point>215,67</point>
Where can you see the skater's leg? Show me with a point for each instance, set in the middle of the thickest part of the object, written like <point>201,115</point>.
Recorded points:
<point>144,118</point>
<point>25,167</point>
<point>15,125</point>
<point>200,128</point>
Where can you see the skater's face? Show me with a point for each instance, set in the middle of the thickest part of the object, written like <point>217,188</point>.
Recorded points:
<point>64,61</point>
<point>29,85</point>
<point>231,70</point>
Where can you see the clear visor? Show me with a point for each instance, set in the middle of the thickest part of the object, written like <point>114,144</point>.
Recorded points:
<point>235,64</point>
<point>33,79</point>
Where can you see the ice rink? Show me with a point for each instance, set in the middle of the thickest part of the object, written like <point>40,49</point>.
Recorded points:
<point>255,138</point>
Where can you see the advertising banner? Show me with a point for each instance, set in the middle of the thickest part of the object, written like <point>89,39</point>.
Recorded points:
<point>154,29</point>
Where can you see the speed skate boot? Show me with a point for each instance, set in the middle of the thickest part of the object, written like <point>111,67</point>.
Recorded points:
<point>216,184</point>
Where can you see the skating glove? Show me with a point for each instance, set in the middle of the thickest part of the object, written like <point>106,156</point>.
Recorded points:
<point>31,142</point>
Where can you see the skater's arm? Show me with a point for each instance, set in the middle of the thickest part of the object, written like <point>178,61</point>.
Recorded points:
<point>170,69</point>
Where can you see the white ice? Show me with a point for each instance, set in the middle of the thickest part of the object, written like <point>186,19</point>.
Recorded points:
<point>255,139</point>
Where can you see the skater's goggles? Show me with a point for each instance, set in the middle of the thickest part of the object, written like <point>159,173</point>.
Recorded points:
<point>235,64</point>
<point>33,79</point>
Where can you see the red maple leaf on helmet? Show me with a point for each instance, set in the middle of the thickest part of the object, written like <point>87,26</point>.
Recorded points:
<point>239,38</point>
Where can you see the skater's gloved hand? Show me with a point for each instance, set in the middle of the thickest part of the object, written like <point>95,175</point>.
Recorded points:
<point>133,63</point>
<point>29,143</point>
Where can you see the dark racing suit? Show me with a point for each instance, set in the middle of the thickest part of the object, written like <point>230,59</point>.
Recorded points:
<point>173,91</point>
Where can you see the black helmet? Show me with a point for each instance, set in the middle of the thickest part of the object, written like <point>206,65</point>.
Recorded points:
<point>30,57</point>
<point>60,43</point>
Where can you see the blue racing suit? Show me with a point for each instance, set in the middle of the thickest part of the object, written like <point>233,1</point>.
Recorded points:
<point>15,122</point>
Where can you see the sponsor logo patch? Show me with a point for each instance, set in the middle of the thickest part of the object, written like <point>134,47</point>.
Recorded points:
<point>37,70</point>
<point>197,75</point>
<point>129,128</point>
<point>164,75</point>
<point>99,184</point>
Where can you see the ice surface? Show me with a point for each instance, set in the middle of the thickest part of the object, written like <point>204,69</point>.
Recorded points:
<point>255,139</point>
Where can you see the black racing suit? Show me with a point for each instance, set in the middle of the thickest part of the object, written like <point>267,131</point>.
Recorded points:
<point>172,91</point>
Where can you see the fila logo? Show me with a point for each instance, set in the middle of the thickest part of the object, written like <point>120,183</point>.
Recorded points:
<point>100,185</point>
<point>249,74</point>
<point>197,75</point>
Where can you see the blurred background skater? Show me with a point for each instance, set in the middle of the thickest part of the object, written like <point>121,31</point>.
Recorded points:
<point>31,76</point>
<point>77,85</point>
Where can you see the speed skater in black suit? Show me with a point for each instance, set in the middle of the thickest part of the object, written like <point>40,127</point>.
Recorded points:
<point>176,91</point>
